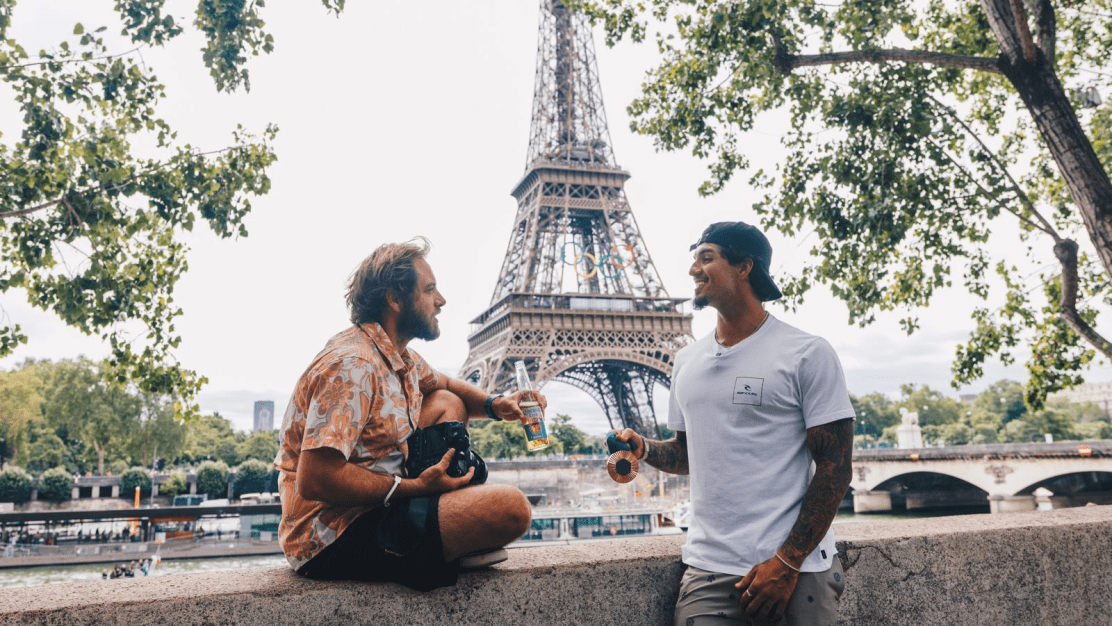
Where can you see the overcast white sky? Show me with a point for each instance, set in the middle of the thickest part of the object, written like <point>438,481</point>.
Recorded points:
<point>404,118</point>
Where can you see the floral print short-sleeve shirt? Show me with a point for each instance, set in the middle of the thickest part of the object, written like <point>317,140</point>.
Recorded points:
<point>360,396</point>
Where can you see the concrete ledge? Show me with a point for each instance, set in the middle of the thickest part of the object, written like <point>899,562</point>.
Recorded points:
<point>1048,567</point>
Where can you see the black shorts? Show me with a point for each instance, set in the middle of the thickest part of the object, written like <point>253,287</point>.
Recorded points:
<point>399,543</point>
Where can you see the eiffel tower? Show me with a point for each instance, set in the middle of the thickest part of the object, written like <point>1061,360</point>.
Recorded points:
<point>578,298</point>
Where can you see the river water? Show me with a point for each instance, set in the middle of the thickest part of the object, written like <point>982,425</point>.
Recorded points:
<point>35,576</point>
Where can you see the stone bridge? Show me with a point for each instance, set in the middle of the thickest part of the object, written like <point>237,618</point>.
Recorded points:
<point>1005,477</point>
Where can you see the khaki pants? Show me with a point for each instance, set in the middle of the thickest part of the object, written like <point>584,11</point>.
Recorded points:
<point>710,599</point>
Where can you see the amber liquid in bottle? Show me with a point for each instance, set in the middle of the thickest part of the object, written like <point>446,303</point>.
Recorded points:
<point>536,435</point>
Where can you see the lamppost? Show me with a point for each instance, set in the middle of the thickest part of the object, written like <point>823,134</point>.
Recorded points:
<point>1004,421</point>
<point>865,428</point>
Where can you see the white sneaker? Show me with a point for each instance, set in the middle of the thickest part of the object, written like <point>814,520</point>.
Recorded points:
<point>483,558</point>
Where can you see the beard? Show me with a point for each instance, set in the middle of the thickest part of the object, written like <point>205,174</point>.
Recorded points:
<point>699,303</point>
<point>416,326</point>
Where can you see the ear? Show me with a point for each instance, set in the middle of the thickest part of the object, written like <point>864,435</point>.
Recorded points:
<point>393,302</point>
<point>745,268</point>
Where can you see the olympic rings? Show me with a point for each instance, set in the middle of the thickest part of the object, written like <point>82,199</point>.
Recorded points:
<point>614,254</point>
<point>617,268</point>
<point>593,269</point>
<point>564,249</point>
<point>597,263</point>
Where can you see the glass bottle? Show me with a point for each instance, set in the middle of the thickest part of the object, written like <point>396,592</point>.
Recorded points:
<point>536,435</point>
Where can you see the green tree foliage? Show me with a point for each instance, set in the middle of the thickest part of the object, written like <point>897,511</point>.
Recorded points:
<point>15,485</point>
<point>997,415</point>
<point>44,449</point>
<point>875,413</point>
<point>916,129</point>
<point>260,445</point>
<point>252,476</point>
<point>158,433</point>
<point>504,440</point>
<point>56,485</point>
<point>96,173</point>
<point>1003,400</point>
<point>212,479</point>
<point>174,485</point>
<point>20,400</point>
<point>572,439</point>
<point>135,477</point>
<point>933,407</point>
<point>82,404</point>
<point>212,437</point>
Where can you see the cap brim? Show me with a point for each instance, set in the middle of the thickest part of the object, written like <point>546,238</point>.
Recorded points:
<point>763,287</point>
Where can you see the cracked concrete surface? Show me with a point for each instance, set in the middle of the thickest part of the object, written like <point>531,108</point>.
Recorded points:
<point>1044,568</point>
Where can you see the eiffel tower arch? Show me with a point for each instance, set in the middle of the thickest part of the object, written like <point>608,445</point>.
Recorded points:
<point>578,298</point>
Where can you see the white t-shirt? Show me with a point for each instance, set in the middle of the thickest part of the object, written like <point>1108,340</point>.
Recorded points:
<point>746,410</point>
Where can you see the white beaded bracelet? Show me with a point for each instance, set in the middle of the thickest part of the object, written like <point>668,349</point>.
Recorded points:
<point>397,481</point>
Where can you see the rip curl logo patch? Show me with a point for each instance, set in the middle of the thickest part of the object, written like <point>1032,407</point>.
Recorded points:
<point>748,391</point>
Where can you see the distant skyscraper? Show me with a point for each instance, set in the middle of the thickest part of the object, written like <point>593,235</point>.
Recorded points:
<point>264,416</point>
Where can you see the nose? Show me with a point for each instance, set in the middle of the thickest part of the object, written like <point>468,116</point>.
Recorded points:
<point>440,301</point>
<point>694,268</point>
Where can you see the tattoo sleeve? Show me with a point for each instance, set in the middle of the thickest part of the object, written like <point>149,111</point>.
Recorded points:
<point>668,456</point>
<point>831,448</point>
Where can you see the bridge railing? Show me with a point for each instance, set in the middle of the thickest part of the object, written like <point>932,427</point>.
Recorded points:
<point>1096,448</point>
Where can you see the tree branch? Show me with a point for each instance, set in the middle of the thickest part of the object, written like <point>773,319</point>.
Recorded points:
<point>1046,23</point>
<point>1066,252</point>
<point>1023,31</point>
<point>1027,204</point>
<point>988,195</point>
<point>5,68</point>
<point>788,62</point>
<point>46,205</point>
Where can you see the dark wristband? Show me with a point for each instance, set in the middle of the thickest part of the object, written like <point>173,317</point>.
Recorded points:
<point>488,407</point>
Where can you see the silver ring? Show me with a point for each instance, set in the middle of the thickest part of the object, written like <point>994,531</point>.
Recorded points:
<point>747,592</point>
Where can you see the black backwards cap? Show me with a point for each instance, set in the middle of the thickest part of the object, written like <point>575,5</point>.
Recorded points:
<point>747,241</point>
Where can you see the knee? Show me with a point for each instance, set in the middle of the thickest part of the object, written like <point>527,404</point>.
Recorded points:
<point>514,511</point>
<point>443,406</point>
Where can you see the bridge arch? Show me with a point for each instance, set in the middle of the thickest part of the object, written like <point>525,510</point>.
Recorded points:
<point>1077,488</point>
<point>1001,470</point>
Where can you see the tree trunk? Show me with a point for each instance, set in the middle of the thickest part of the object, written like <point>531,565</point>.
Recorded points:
<point>100,458</point>
<point>1038,86</point>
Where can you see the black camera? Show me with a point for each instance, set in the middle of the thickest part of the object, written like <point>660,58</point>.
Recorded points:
<point>428,445</point>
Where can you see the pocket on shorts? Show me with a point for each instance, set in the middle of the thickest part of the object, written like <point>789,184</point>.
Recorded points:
<point>837,578</point>
<point>403,526</point>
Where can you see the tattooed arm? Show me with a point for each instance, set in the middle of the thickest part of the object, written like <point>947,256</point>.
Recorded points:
<point>667,456</point>
<point>768,587</point>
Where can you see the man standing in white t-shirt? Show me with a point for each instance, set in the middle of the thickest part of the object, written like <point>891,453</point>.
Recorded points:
<point>764,426</point>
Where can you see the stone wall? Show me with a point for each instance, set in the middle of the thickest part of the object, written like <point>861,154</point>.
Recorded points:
<point>1045,568</point>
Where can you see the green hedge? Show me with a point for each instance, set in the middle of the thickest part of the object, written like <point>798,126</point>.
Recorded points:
<point>212,479</point>
<point>15,485</point>
<point>252,476</point>
<point>56,485</point>
<point>174,485</point>
<point>132,478</point>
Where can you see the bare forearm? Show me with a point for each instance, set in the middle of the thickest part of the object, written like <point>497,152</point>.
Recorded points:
<point>347,485</point>
<point>324,475</point>
<point>667,456</point>
<point>831,449</point>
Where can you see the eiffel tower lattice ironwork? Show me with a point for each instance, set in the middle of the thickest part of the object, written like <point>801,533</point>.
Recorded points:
<point>578,298</point>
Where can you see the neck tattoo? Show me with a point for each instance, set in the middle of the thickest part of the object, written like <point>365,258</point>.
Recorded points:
<point>751,333</point>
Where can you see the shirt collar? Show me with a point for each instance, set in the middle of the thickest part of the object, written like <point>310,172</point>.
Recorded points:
<point>398,361</point>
